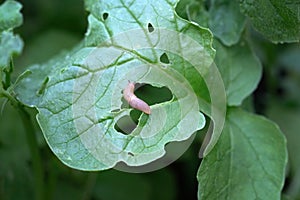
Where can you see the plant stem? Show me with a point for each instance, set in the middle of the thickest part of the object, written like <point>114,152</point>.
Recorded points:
<point>89,186</point>
<point>32,143</point>
<point>34,151</point>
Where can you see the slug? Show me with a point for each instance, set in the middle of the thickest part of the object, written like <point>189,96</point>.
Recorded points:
<point>133,101</point>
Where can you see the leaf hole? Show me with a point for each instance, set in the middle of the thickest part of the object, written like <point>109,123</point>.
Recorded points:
<point>105,15</point>
<point>43,86</point>
<point>125,125</point>
<point>131,154</point>
<point>115,110</point>
<point>164,58</point>
<point>151,95</point>
<point>150,28</point>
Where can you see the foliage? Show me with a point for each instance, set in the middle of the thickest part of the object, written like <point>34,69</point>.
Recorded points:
<point>200,63</point>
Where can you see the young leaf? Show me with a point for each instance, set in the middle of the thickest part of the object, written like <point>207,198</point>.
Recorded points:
<point>81,101</point>
<point>10,16</point>
<point>277,20</point>
<point>248,161</point>
<point>10,44</point>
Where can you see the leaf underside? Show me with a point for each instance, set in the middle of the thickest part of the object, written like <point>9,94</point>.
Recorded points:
<point>79,94</point>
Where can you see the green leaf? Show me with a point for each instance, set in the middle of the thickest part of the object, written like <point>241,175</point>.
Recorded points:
<point>79,94</point>
<point>197,12</point>
<point>10,44</point>
<point>277,20</point>
<point>223,17</point>
<point>240,70</point>
<point>288,120</point>
<point>10,16</point>
<point>226,21</point>
<point>248,161</point>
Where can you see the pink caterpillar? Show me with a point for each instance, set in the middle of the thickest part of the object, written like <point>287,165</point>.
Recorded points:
<point>133,101</point>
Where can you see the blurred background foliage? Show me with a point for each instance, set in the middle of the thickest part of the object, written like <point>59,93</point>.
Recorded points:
<point>53,26</point>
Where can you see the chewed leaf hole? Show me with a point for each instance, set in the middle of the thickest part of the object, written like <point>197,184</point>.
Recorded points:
<point>105,15</point>
<point>151,95</point>
<point>125,125</point>
<point>164,58</point>
<point>43,86</point>
<point>150,28</point>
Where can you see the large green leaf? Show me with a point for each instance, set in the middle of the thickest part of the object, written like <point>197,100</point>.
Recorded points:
<point>240,70</point>
<point>10,44</point>
<point>248,161</point>
<point>277,20</point>
<point>79,94</point>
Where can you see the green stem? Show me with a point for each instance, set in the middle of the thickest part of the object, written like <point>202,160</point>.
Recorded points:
<point>7,71</point>
<point>35,154</point>
<point>1,83</point>
<point>32,143</point>
<point>89,186</point>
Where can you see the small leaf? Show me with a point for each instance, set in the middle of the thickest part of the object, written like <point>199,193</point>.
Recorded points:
<point>240,70</point>
<point>277,20</point>
<point>10,16</point>
<point>10,44</point>
<point>248,161</point>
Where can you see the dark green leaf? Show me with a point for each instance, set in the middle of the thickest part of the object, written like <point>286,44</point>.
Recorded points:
<point>248,161</point>
<point>226,21</point>
<point>240,70</point>
<point>277,20</point>
<point>223,17</point>
<point>288,118</point>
